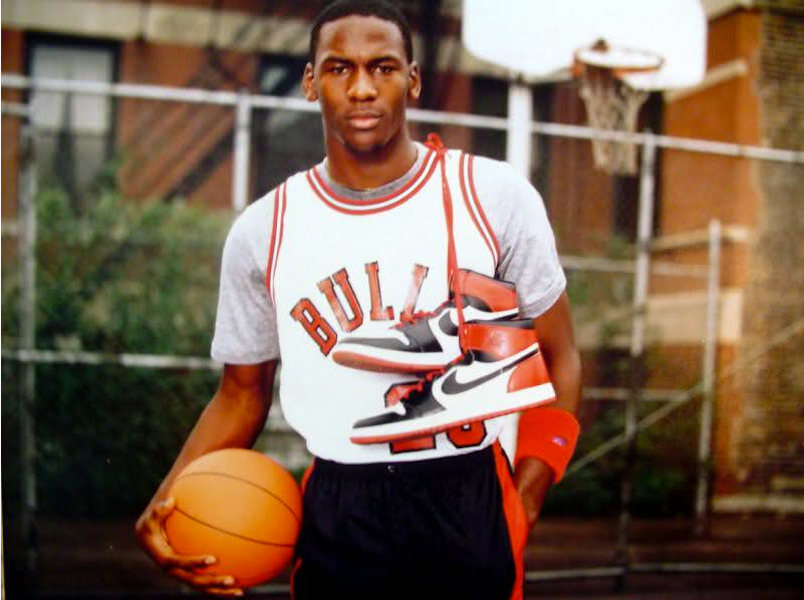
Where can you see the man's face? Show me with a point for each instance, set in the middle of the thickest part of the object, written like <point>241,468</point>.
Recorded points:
<point>363,81</point>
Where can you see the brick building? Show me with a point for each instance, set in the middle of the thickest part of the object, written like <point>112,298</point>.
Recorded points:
<point>753,94</point>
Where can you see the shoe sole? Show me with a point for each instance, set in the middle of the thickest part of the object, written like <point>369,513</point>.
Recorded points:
<point>380,360</point>
<point>356,360</point>
<point>468,413</point>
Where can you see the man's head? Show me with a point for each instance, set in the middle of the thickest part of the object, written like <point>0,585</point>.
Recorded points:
<point>367,8</point>
<point>362,75</point>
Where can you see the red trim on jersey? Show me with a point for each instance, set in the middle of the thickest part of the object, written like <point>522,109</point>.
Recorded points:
<point>269,267</point>
<point>514,517</point>
<point>486,236</point>
<point>277,234</point>
<point>471,171</point>
<point>281,231</point>
<point>369,207</point>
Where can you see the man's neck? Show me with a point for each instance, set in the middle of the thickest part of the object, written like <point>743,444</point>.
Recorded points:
<point>369,170</point>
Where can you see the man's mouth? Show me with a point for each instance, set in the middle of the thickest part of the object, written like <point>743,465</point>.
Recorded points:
<point>363,120</point>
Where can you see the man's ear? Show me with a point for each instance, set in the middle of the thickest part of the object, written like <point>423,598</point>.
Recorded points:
<point>308,83</point>
<point>414,81</point>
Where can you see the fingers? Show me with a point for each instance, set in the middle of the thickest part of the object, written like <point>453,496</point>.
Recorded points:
<point>162,510</point>
<point>154,539</point>
<point>220,585</point>
<point>186,562</point>
<point>187,568</point>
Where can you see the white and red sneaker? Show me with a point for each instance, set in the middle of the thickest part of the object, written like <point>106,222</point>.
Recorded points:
<point>502,372</point>
<point>429,340</point>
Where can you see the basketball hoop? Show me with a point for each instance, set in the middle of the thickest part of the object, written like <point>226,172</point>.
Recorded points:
<point>611,103</point>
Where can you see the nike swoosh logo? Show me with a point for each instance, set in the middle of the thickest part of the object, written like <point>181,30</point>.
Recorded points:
<point>452,386</point>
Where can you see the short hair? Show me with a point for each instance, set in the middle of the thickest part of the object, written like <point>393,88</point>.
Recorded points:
<point>368,8</point>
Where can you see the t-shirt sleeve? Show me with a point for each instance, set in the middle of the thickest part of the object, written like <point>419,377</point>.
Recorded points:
<point>245,325</point>
<point>517,216</point>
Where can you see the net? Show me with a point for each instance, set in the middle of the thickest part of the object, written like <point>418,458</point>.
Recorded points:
<point>611,103</point>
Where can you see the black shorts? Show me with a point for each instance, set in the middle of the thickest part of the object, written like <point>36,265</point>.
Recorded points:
<point>444,528</point>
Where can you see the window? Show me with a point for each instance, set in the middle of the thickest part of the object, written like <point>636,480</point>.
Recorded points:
<point>286,141</point>
<point>73,131</point>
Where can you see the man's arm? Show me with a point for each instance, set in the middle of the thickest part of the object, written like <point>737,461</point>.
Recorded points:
<point>233,419</point>
<point>533,477</point>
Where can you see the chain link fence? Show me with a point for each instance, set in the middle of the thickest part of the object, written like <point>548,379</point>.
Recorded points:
<point>110,268</point>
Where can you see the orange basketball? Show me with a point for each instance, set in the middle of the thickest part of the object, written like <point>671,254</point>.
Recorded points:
<point>241,507</point>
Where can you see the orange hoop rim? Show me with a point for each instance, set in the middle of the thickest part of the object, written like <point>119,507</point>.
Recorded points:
<point>620,61</point>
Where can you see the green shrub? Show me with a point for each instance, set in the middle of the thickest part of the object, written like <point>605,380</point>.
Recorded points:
<point>664,474</point>
<point>124,277</point>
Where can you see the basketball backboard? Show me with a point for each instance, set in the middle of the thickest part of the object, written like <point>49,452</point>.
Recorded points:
<point>539,38</point>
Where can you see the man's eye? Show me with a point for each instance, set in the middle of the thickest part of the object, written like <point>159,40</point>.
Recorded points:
<point>338,69</point>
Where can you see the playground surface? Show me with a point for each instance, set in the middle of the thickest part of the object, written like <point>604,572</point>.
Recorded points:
<point>737,557</point>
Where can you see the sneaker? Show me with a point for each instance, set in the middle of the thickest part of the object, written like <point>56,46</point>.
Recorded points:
<point>502,372</point>
<point>429,340</point>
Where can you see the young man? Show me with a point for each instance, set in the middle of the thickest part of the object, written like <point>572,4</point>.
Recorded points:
<point>324,266</point>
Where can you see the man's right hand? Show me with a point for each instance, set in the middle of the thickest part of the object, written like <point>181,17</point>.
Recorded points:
<point>151,535</point>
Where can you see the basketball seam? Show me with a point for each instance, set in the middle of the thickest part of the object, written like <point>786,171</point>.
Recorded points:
<point>251,483</point>
<point>237,535</point>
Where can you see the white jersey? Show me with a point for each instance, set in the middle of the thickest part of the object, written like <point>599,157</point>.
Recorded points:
<point>338,267</point>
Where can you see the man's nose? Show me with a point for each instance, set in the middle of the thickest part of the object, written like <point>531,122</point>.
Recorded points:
<point>362,87</point>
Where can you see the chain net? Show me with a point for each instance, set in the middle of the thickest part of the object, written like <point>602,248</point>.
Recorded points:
<point>611,104</point>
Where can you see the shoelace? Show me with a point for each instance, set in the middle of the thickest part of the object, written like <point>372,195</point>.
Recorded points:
<point>405,319</point>
<point>430,376</point>
<point>453,281</point>
<point>434,142</point>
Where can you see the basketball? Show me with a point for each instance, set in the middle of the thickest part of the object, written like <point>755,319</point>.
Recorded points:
<point>241,507</point>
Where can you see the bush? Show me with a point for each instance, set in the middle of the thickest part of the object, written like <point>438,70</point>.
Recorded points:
<point>125,277</point>
<point>664,476</point>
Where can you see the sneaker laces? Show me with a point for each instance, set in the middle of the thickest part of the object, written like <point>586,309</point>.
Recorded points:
<point>453,281</point>
<point>427,380</point>
<point>411,319</point>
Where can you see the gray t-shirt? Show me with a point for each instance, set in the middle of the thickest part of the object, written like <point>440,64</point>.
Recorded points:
<point>245,329</point>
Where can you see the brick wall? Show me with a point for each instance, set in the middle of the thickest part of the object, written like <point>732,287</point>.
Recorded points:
<point>770,442</point>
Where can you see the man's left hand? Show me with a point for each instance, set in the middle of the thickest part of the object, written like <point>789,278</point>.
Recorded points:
<point>533,479</point>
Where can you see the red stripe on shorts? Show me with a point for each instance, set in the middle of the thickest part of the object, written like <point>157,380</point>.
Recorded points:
<point>514,517</point>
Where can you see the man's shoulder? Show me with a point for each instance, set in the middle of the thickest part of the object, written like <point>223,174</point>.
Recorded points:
<point>491,175</point>
<point>269,197</point>
<point>288,181</point>
<point>485,166</point>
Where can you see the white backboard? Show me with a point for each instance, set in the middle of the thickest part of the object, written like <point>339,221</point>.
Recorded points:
<point>538,38</point>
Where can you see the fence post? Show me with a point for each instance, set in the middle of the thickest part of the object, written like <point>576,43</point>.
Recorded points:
<point>26,245</point>
<point>242,149</point>
<point>518,154</point>
<point>520,118</point>
<point>708,378</point>
<point>641,279</point>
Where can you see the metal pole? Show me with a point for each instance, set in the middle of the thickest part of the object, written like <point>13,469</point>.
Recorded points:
<point>518,154</point>
<point>641,277</point>
<point>242,143</point>
<point>26,244</point>
<point>157,92</point>
<point>708,378</point>
<point>520,116</point>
